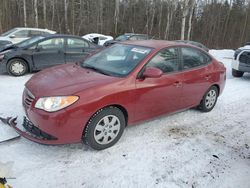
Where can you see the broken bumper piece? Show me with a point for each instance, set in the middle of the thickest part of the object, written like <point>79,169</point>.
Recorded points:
<point>31,132</point>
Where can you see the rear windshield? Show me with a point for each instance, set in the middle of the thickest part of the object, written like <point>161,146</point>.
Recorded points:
<point>9,32</point>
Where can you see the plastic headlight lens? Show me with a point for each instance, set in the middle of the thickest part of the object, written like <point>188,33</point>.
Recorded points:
<point>52,104</point>
<point>1,56</point>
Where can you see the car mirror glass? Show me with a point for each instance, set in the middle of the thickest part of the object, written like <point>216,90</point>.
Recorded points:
<point>12,36</point>
<point>152,72</point>
<point>39,48</point>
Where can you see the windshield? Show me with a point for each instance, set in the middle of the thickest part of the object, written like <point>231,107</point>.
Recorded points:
<point>9,32</point>
<point>118,60</point>
<point>122,38</point>
<point>29,41</point>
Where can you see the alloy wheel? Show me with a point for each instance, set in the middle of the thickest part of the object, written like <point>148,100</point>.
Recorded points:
<point>107,129</point>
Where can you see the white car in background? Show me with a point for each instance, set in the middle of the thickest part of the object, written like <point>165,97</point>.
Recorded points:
<point>20,34</point>
<point>97,38</point>
<point>241,61</point>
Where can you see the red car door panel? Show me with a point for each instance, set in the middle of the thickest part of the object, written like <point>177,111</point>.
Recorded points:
<point>156,96</point>
<point>196,76</point>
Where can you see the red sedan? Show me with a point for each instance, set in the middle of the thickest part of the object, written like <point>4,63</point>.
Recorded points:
<point>122,85</point>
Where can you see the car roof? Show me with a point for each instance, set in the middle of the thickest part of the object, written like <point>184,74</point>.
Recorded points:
<point>132,34</point>
<point>157,44</point>
<point>61,35</point>
<point>37,29</point>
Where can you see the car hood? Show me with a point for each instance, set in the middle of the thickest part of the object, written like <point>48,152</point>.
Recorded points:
<point>66,79</point>
<point>8,47</point>
<point>5,38</point>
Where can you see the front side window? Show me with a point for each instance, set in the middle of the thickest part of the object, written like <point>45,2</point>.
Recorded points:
<point>54,43</point>
<point>76,43</point>
<point>29,41</point>
<point>166,60</point>
<point>118,60</point>
<point>194,58</point>
<point>22,34</point>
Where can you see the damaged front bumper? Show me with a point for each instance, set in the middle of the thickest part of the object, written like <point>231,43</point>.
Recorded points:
<point>31,132</point>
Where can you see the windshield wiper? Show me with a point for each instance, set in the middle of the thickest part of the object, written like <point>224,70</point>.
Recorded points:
<point>96,70</point>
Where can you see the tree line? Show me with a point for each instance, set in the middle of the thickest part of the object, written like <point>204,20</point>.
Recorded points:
<point>215,23</point>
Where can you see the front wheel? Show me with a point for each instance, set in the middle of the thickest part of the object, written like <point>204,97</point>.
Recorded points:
<point>209,99</point>
<point>17,67</point>
<point>105,128</point>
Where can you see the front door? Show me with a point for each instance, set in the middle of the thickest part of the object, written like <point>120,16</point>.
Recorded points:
<point>49,53</point>
<point>155,96</point>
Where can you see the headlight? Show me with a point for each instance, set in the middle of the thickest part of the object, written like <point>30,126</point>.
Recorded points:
<point>1,57</point>
<point>52,104</point>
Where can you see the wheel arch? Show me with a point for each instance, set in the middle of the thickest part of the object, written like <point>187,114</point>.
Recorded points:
<point>218,87</point>
<point>120,107</point>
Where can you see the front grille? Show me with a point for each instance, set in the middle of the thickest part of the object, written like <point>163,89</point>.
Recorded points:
<point>35,131</point>
<point>245,58</point>
<point>28,98</point>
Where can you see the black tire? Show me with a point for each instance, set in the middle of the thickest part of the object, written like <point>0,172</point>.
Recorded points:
<point>207,104</point>
<point>20,64</point>
<point>237,73</point>
<point>91,133</point>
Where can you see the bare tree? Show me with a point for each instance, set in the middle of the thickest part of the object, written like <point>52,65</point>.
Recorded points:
<point>160,20</point>
<point>44,13</point>
<point>36,13</point>
<point>192,8</point>
<point>24,13</point>
<point>184,16</point>
<point>152,17</point>
<point>117,11</point>
<point>66,4</point>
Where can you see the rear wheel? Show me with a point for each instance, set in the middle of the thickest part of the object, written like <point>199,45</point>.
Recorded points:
<point>105,128</point>
<point>209,99</point>
<point>237,73</point>
<point>17,67</point>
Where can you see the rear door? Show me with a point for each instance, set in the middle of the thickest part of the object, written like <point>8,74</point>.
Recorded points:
<point>156,96</point>
<point>197,75</point>
<point>76,49</point>
<point>49,53</point>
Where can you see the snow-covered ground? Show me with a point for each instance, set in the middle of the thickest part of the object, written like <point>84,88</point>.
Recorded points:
<point>188,149</point>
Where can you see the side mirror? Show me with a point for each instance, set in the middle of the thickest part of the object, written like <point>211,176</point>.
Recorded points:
<point>152,72</point>
<point>12,36</point>
<point>39,48</point>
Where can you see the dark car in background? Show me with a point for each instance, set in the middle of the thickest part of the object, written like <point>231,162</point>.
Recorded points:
<point>127,36</point>
<point>194,43</point>
<point>41,52</point>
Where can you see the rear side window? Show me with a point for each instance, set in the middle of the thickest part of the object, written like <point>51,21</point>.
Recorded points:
<point>194,58</point>
<point>142,37</point>
<point>76,43</point>
<point>22,34</point>
<point>166,60</point>
<point>34,33</point>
